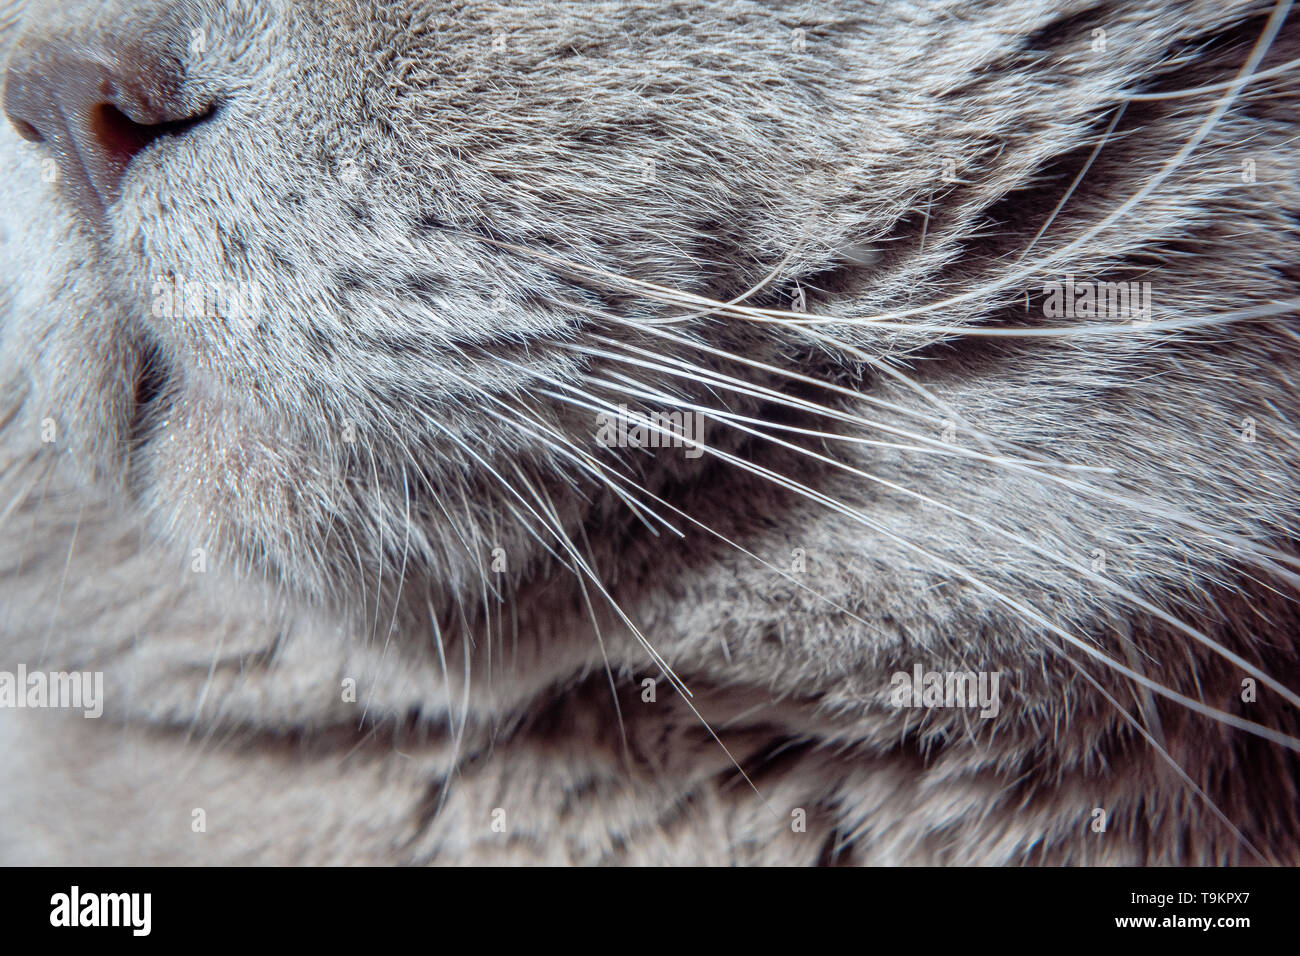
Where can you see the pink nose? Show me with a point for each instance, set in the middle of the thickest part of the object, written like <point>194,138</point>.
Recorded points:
<point>96,106</point>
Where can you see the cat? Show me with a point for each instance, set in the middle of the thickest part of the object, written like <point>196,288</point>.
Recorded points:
<point>718,432</point>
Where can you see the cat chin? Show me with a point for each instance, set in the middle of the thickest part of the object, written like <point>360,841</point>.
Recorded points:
<point>230,493</point>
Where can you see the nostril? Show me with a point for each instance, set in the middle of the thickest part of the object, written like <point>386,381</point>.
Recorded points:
<point>122,137</point>
<point>26,130</point>
<point>97,105</point>
<point>119,135</point>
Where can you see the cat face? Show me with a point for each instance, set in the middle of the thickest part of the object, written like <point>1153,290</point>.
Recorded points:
<point>385,231</point>
<point>980,308</point>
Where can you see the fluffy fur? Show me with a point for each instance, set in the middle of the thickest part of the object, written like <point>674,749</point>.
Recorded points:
<point>476,225</point>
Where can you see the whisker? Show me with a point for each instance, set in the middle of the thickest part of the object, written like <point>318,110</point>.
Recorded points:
<point>1129,595</point>
<point>808,405</point>
<point>1211,87</point>
<point>738,547</point>
<point>1024,610</point>
<point>1221,538</point>
<point>1096,151</point>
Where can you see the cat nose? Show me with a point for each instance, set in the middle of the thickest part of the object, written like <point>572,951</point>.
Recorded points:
<point>96,104</point>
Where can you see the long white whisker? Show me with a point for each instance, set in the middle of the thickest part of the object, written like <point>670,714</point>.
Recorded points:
<point>683,692</point>
<point>1129,595</point>
<point>1096,151</point>
<point>933,445</point>
<point>1211,87</point>
<point>1018,606</point>
<point>1162,510</point>
<point>641,489</point>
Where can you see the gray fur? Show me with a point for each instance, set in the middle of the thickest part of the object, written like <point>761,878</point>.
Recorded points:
<point>373,167</point>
